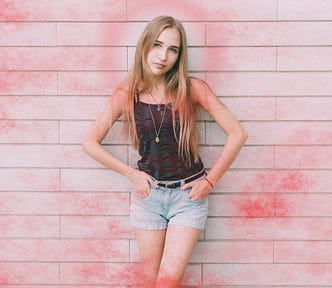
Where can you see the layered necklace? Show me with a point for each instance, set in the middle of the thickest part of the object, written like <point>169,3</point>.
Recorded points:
<point>157,132</point>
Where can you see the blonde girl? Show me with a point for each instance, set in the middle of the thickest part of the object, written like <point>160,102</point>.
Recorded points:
<point>158,100</point>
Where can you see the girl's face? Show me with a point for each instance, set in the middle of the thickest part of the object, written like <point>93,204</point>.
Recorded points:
<point>164,52</point>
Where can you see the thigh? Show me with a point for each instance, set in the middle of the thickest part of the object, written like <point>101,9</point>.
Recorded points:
<point>150,245</point>
<point>179,244</point>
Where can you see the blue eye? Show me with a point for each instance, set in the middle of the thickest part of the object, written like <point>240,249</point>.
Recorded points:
<point>173,50</point>
<point>156,45</point>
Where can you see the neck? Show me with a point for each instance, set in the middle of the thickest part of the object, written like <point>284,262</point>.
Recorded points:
<point>159,81</point>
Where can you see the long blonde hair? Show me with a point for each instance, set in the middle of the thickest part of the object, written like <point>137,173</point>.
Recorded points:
<point>140,79</point>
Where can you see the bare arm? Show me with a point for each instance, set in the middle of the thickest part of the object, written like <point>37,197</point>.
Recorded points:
<point>96,133</point>
<point>236,135</point>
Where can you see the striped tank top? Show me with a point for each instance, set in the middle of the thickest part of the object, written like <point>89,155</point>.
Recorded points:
<point>160,159</point>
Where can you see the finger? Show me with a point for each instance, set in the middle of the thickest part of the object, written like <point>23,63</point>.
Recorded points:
<point>194,194</point>
<point>191,195</point>
<point>186,186</point>
<point>143,194</point>
<point>153,183</point>
<point>194,197</point>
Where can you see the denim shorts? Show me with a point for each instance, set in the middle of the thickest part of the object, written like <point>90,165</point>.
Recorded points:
<point>165,206</point>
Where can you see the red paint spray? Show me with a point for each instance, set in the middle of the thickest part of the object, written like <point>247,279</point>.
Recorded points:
<point>272,199</point>
<point>9,11</point>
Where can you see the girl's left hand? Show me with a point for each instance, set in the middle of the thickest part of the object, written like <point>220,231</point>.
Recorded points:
<point>200,189</point>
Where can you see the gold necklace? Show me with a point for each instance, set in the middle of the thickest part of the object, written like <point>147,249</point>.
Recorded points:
<point>157,139</point>
<point>158,104</point>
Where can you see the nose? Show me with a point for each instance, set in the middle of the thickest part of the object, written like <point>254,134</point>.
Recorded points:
<point>163,54</point>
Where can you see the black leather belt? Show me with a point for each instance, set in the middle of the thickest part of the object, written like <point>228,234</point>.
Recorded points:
<point>177,184</point>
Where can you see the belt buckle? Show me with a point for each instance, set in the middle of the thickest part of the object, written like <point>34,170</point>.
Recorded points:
<point>172,185</point>
<point>169,186</point>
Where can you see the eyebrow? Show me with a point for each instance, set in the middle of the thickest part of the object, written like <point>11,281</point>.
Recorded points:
<point>173,46</point>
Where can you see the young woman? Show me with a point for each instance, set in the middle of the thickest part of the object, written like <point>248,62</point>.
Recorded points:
<point>158,100</point>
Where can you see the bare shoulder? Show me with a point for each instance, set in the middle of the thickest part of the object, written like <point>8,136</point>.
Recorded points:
<point>121,93</point>
<point>118,101</point>
<point>197,85</point>
<point>203,94</point>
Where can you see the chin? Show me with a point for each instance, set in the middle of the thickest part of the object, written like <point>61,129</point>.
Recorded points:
<point>158,73</point>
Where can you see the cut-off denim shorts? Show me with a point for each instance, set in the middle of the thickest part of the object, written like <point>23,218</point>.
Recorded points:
<point>166,206</point>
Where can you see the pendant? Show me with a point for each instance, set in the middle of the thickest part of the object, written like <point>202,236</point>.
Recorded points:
<point>157,139</point>
<point>158,108</point>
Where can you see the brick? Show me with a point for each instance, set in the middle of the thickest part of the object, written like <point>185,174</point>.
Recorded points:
<point>88,83</point>
<point>68,156</point>
<point>71,10</point>
<point>268,33</point>
<point>281,133</point>
<point>268,204</point>
<point>249,157</point>
<point>68,286</point>
<point>29,273</point>
<point>245,108</point>
<point>233,252</point>
<point>268,229</point>
<point>267,274</point>
<point>304,157</point>
<point>302,251</point>
<point>27,83</point>
<point>52,107</point>
<point>260,286</point>
<point>304,10</point>
<point>304,108</point>
<point>94,203</point>
<point>42,156</point>
<point>68,203</point>
<point>232,59</point>
<point>242,205</point>
<point>64,250</point>
<point>13,131</point>
<point>308,205</point>
<point>101,34</point>
<point>270,83</point>
<point>27,34</point>
<point>114,274</point>
<point>29,226</point>
<point>279,181</point>
<point>95,227</point>
<point>29,203</point>
<point>63,58</point>
<point>73,132</point>
<point>29,179</point>
<point>209,10</point>
<point>97,180</point>
<point>304,58</point>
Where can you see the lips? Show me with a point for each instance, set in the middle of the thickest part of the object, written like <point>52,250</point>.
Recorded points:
<point>159,65</point>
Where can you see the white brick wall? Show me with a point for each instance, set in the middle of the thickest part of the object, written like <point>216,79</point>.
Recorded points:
<point>64,218</point>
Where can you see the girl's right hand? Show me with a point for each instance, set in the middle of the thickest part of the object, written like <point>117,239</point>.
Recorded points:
<point>141,183</point>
